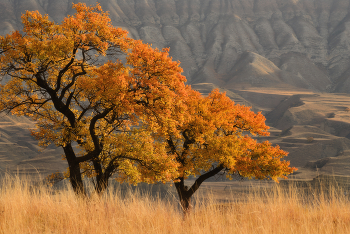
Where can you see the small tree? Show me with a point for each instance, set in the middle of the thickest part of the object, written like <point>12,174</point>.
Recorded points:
<point>217,138</point>
<point>101,112</point>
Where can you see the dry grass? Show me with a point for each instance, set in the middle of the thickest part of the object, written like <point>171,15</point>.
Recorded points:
<point>24,209</point>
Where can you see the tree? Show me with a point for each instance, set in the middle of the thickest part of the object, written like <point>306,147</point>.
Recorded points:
<point>94,92</point>
<point>217,137</point>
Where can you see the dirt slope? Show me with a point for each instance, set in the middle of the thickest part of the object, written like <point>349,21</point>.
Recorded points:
<point>304,43</point>
<point>279,56</point>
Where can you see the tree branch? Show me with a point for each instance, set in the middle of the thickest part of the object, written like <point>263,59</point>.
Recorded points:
<point>202,178</point>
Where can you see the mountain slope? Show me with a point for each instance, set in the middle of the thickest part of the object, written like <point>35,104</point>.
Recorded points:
<point>264,53</point>
<point>210,36</point>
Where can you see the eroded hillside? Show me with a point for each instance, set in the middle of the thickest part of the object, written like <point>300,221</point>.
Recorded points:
<point>278,56</point>
<point>302,43</point>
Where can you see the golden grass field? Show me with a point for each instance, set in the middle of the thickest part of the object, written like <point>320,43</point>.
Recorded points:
<point>40,209</point>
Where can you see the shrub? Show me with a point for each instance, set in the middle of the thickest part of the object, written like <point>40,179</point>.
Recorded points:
<point>310,139</point>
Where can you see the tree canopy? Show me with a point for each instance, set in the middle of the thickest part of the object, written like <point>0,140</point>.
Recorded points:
<point>118,106</point>
<point>94,92</point>
<point>217,136</point>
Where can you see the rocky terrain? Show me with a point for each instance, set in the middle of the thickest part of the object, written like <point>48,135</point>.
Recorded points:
<point>289,59</point>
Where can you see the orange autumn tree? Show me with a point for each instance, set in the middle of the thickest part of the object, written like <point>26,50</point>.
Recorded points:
<point>217,138</point>
<point>94,92</point>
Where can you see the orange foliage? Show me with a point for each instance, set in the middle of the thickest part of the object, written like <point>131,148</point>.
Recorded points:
<point>218,130</point>
<point>217,137</point>
<point>125,106</point>
<point>70,79</point>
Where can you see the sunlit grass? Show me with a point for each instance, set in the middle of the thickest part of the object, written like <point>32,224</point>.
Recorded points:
<point>39,209</point>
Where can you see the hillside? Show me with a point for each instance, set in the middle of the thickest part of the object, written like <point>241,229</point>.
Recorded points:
<point>305,41</point>
<point>289,59</point>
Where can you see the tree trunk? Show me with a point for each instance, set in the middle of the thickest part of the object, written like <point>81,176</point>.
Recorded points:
<point>101,183</point>
<point>184,196</point>
<point>74,171</point>
<point>186,193</point>
<point>76,180</point>
<point>101,178</point>
<point>186,204</point>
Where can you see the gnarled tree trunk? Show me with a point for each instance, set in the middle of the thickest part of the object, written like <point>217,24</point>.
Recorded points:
<point>74,171</point>
<point>186,193</point>
<point>184,196</point>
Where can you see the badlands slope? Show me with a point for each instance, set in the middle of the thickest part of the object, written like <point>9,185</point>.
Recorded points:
<point>289,59</point>
<point>303,43</point>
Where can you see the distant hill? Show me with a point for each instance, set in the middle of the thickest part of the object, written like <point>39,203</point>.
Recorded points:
<point>303,43</point>
<point>289,59</point>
